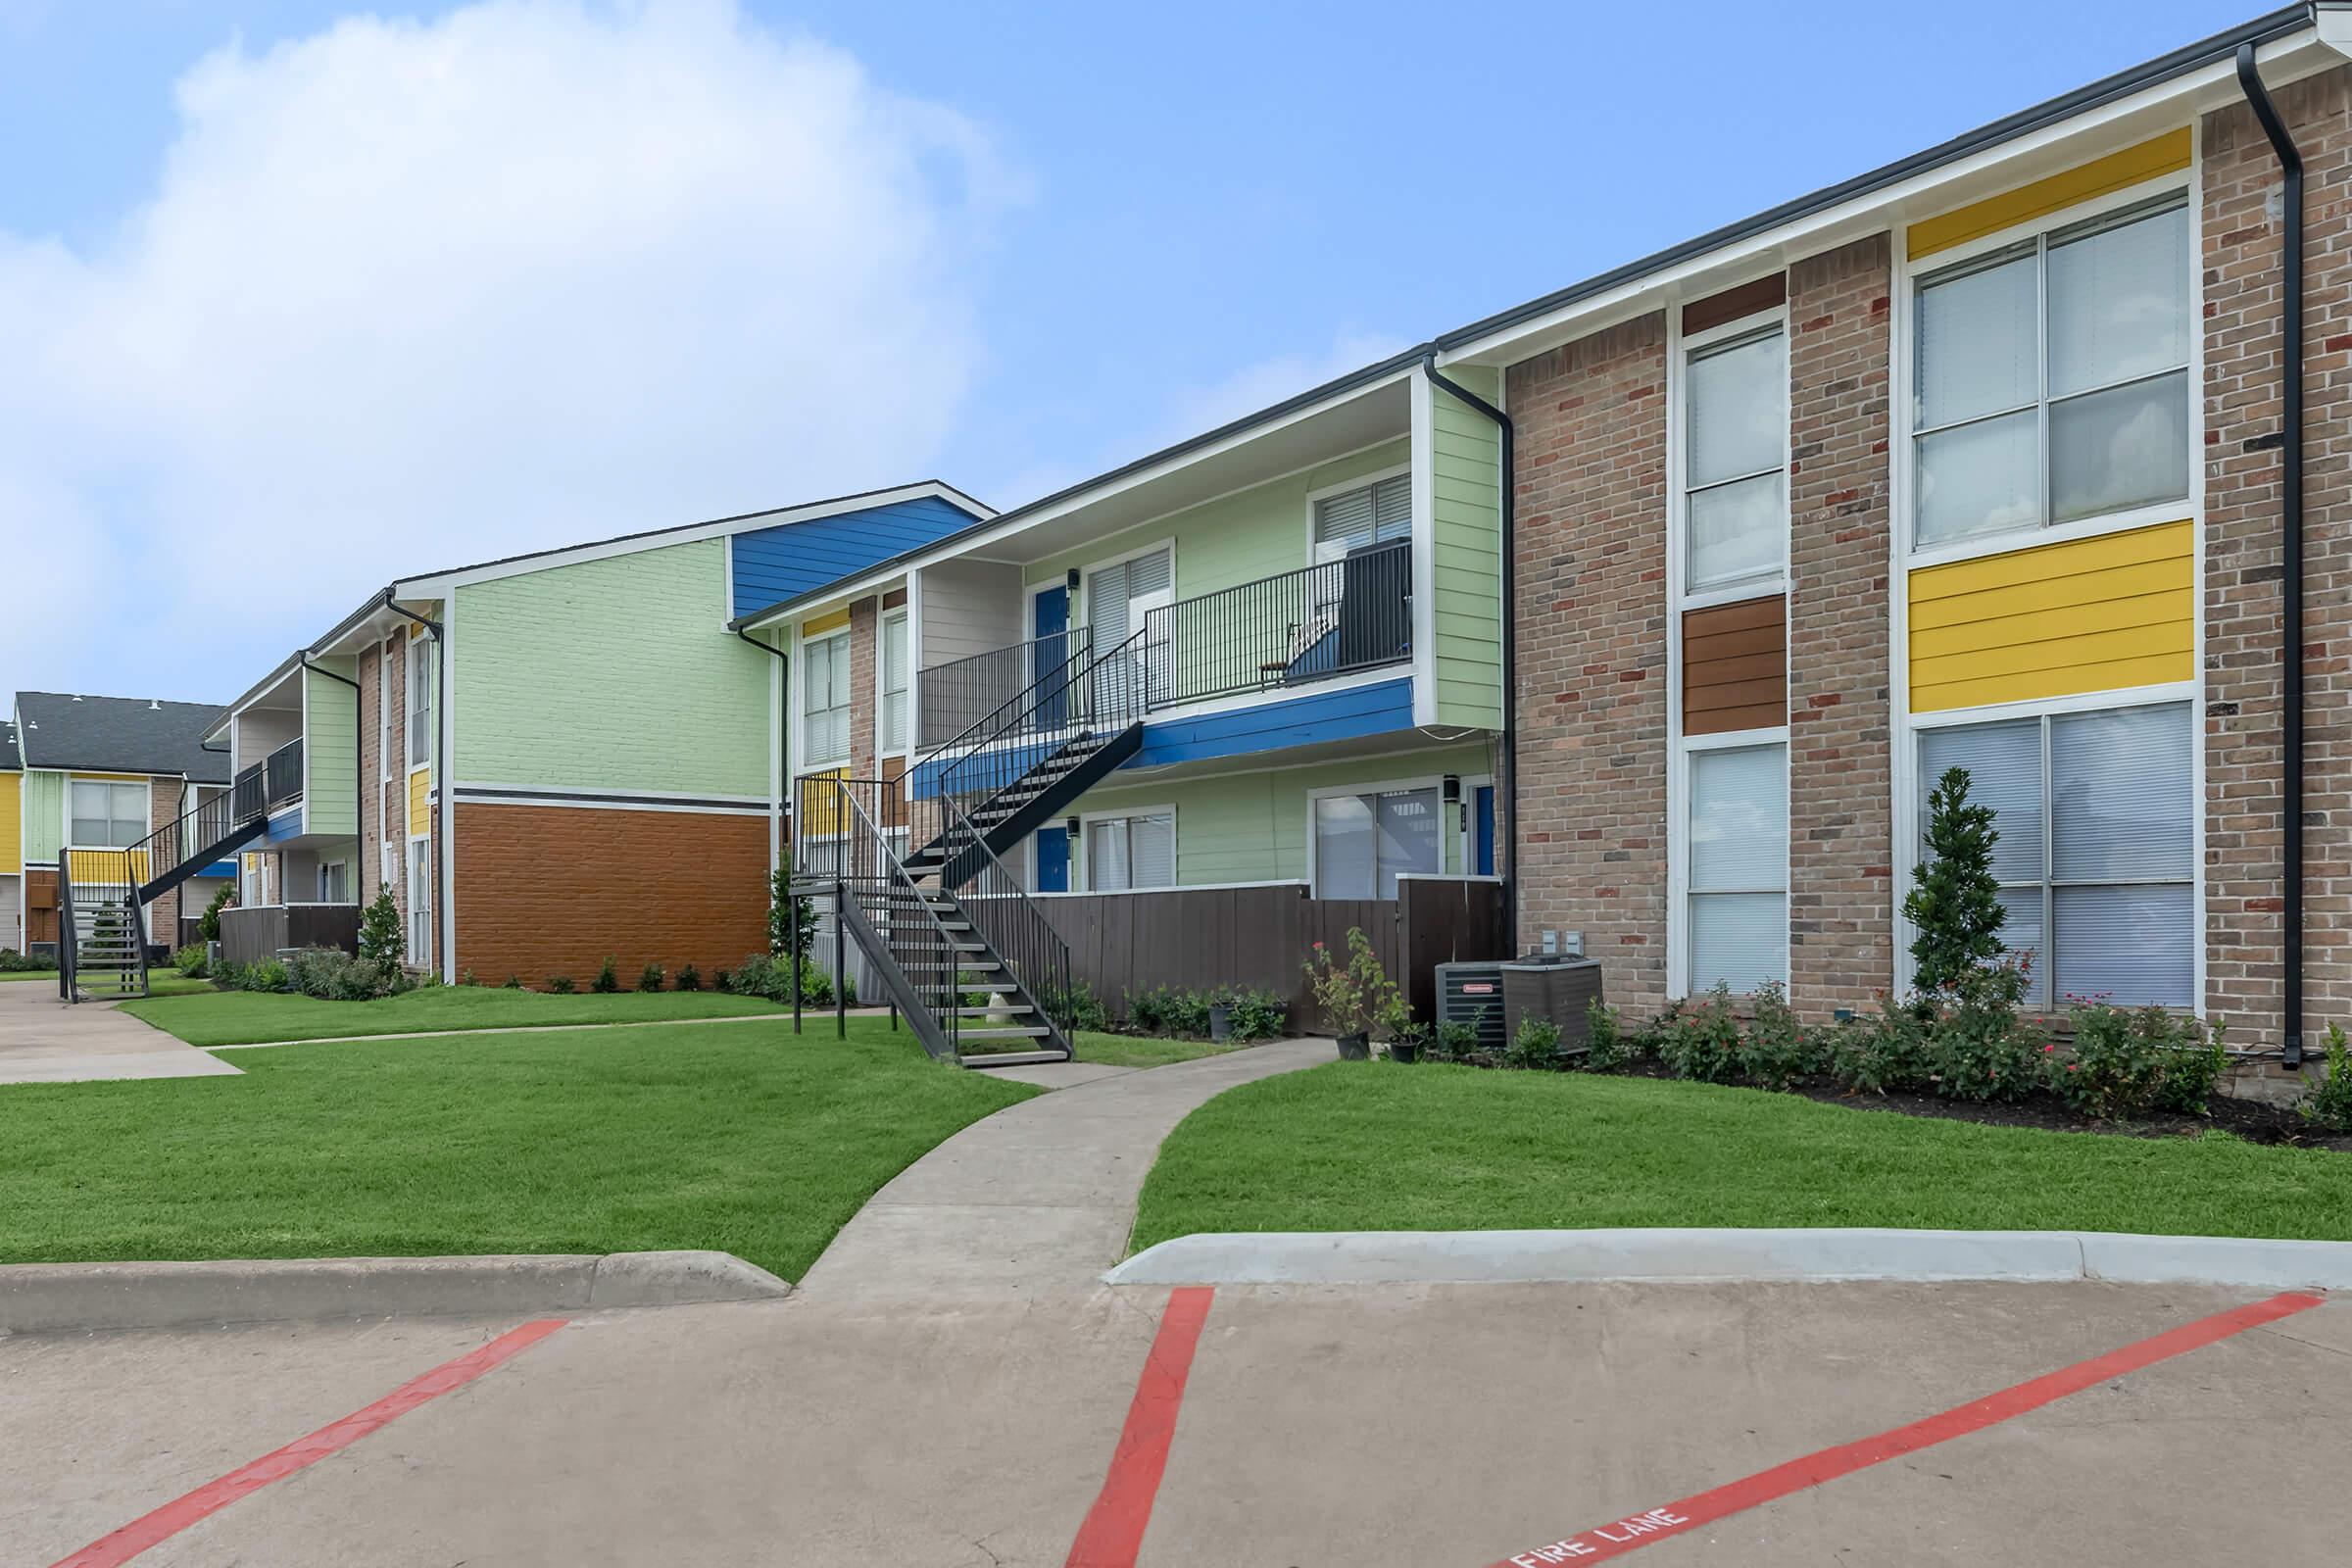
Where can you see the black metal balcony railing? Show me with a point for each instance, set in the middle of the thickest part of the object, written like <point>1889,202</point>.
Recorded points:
<point>958,695</point>
<point>270,782</point>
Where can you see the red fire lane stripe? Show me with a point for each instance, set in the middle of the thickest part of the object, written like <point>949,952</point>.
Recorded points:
<point>1113,1532</point>
<point>214,1496</point>
<point>1628,1534</point>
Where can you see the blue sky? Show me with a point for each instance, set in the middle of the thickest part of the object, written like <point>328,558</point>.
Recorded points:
<point>260,316</point>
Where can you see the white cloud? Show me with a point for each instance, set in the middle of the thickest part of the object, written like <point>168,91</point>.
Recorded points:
<point>408,295</point>
<point>1269,382</point>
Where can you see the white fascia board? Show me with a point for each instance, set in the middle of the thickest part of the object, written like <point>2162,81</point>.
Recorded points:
<point>2004,166</point>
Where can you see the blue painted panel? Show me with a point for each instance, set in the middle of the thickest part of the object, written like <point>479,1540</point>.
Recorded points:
<point>1483,834</point>
<point>217,868</point>
<point>1350,714</point>
<point>773,565</point>
<point>1053,860</point>
<point>923,782</point>
<point>284,825</point>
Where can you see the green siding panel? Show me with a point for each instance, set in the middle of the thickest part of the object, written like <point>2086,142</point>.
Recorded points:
<point>1251,827</point>
<point>616,674</point>
<point>44,815</point>
<point>1253,533</point>
<point>330,741</point>
<point>1466,534</point>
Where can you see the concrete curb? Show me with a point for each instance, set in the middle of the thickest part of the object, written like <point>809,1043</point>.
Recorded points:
<point>1450,1258</point>
<point>56,1297</point>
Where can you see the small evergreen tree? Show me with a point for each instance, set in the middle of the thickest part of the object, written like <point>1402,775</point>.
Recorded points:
<point>608,977</point>
<point>208,925</point>
<point>1955,901</point>
<point>791,922</point>
<point>380,938</point>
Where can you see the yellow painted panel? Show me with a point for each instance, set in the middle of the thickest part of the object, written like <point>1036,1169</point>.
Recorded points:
<point>818,625</point>
<point>820,809</point>
<point>12,823</point>
<point>2161,155</point>
<point>96,866</point>
<point>421,803</point>
<point>2053,621</point>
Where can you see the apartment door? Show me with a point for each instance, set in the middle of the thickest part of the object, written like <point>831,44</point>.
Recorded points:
<point>1049,652</point>
<point>1119,600</point>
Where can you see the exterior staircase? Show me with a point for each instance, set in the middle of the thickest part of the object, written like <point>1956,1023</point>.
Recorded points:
<point>964,951</point>
<point>104,894</point>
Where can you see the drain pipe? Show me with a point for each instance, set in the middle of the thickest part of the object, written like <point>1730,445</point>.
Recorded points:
<point>449,795</point>
<point>784,835</point>
<point>2290,627</point>
<point>359,767</point>
<point>1508,849</point>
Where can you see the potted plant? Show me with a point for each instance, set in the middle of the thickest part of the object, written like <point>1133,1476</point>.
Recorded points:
<point>1403,1038</point>
<point>1352,994</point>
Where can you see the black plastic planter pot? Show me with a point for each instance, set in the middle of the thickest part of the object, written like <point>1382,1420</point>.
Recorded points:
<point>1355,1047</point>
<point>1404,1050</point>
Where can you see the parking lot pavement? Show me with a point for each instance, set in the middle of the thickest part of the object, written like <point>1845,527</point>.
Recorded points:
<point>1435,1427</point>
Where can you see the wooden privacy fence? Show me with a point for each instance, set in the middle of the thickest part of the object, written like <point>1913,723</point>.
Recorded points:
<point>1205,938</point>
<point>249,935</point>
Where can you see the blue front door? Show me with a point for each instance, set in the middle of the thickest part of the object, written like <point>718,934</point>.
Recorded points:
<point>1053,860</point>
<point>1483,833</point>
<point>1050,655</point>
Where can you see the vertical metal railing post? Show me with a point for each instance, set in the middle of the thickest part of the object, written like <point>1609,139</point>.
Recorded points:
<point>841,972</point>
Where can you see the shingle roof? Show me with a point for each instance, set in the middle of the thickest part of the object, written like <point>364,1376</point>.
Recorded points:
<point>122,734</point>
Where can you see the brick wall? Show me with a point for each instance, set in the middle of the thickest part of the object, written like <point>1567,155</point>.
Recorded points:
<point>544,890</point>
<point>372,772</point>
<point>1592,613</point>
<point>164,804</point>
<point>865,622</point>
<point>2243,843</point>
<point>1841,840</point>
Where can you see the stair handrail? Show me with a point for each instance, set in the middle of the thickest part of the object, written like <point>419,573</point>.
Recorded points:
<point>1088,703</point>
<point>892,874</point>
<point>170,847</point>
<point>67,937</point>
<point>1034,951</point>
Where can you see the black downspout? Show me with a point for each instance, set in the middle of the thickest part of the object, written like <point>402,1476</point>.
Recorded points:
<point>359,764</point>
<point>2290,589</point>
<point>1508,849</point>
<point>449,796</point>
<point>783,784</point>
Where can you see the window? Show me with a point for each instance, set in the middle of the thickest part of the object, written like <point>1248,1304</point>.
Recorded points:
<point>2097,847</point>
<point>387,867</point>
<point>1738,912</point>
<point>1372,515</point>
<point>825,699</point>
<point>107,814</point>
<point>420,701</point>
<point>1119,600</point>
<point>1735,460</point>
<point>1131,852</point>
<point>1363,842</point>
<point>335,882</point>
<point>2053,379</point>
<point>420,903</point>
<point>894,682</point>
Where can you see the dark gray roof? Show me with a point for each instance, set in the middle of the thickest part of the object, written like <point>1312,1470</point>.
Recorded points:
<point>119,734</point>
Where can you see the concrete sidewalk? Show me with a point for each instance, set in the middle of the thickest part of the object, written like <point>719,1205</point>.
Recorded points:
<point>1036,1199</point>
<point>42,1040</point>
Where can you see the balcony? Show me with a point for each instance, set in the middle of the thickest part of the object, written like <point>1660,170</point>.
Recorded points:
<point>1295,631</point>
<point>269,783</point>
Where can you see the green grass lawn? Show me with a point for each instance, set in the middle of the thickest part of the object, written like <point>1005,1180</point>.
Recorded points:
<point>247,1018</point>
<point>1375,1147</point>
<point>49,975</point>
<point>171,983</point>
<point>736,1137</point>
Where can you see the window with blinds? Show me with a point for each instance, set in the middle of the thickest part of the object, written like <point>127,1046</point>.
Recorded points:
<point>1119,596</point>
<point>1737,915</point>
<point>107,814</point>
<point>825,699</point>
<point>1735,481</point>
<point>2053,379</point>
<point>1125,852</point>
<point>2096,857</point>
<point>1363,842</point>
<point>1372,515</point>
<point>894,682</point>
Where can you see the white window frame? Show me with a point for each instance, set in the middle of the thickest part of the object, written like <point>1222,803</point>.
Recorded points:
<point>1680,350</point>
<point>1903,373</point>
<point>383,711</point>
<point>902,617</point>
<point>327,894</point>
<point>803,663</point>
<point>420,915</point>
<point>423,652</point>
<point>1363,481</point>
<point>1082,858</point>
<point>1434,782</point>
<point>1678,840</point>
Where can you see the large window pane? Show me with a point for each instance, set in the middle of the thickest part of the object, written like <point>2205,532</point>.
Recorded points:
<point>2124,447</point>
<point>2004,771</point>
<point>1151,851</point>
<point>1736,531</point>
<point>1408,836</point>
<point>1739,408</point>
<point>1979,479</point>
<point>1979,344</point>
<point>2022,936</point>
<point>2121,796</point>
<point>2119,301</point>
<point>1739,819</point>
<point>1108,866</point>
<point>1374,514</point>
<point>1738,939</point>
<point>2129,944</point>
<point>1345,858</point>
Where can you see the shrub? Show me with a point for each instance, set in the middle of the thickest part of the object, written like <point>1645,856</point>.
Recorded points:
<point>791,922</point>
<point>1955,902</point>
<point>2194,1060</point>
<point>2330,1102</point>
<point>608,977</point>
<point>266,975</point>
<point>561,985</point>
<point>1256,1014</point>
<point>380,939</point>
<point>14,962</point>
<point>2128,1063</point>
<point>333,976</point>
<point>689,977</point>
<point>762,975</point>
<point>1453,1041</point>
<point>1079,1004</point>
<point>189,960</point>
<point>208,925</point>
<point>466,977</point>
<point>1351,995</point>
<point>1777,1051</point>
<point>650,979</point>
<point>1982,1049</point>
<point>1701,1039</point>
<point>1884,1055</point>
<point>1166,1011</point>
<point>723,981</point>
<point>514,983</point>
<point>1536,1046</point>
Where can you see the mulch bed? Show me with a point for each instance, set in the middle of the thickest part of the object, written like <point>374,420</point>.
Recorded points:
<point>2256,1121</point>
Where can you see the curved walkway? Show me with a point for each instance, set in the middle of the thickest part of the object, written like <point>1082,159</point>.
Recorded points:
<point>43,1041</point>
<point>1036,1199</point>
